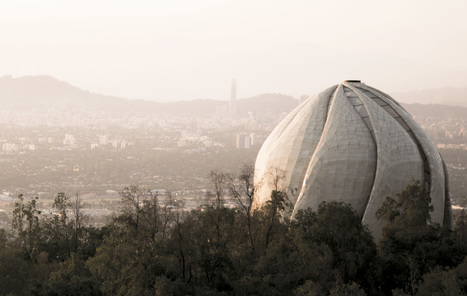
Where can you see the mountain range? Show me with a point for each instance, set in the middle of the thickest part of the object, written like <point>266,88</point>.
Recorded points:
<point>445,96</point>
<point>46,92</point>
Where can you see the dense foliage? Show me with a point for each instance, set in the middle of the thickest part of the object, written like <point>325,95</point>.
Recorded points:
<point>154,247</point>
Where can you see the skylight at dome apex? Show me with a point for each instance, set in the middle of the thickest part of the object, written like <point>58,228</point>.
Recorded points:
<point>351,143</point>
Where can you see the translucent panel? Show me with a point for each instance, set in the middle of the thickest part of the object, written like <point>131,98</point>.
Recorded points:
<point>422,153</point>
<point>379,101</point>
<point>363,112</point>
<point>390,111</point>
<point>380,93</point>
<point>367,122</point>
<point>402,123</point>
<point>426,166</point>
<point>410,132</point>
<point>354,100</point>
<point>359,107</point>
<point>368,94</point>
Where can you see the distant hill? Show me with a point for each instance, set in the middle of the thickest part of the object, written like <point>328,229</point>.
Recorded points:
<point>264,103</point>
<point>444,96</point>
<point>436,111</point>
<point>45,92</point>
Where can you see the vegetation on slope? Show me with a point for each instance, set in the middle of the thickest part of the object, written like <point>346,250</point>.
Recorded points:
<point>154,247</point>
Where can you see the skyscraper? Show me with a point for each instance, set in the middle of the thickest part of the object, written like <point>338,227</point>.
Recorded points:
<point>233,100</point>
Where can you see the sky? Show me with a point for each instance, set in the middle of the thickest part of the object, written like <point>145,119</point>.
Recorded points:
<point>184,49</point>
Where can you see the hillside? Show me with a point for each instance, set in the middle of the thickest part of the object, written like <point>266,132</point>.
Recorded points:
<point>48,93</point>
<point>45,92</point>
<point>444,96</point>
<point>436,111</point>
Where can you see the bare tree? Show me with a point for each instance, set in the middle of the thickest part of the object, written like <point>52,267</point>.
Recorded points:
<point>218,181</point>
<point>277,175</point>
<point>183,230</point>
<point>26,222</point>
<point>78,216</point>
<point>132,198</point>
<point>244,193</point>
<point>277,204</point>
<point>148,217</point>
<point>78,219</point>
<point>167,214</point>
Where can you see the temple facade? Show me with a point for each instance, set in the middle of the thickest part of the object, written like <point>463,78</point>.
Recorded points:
<point>351,143</point>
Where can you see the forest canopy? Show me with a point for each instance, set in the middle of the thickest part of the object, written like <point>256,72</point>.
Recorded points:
<point>155,247</point>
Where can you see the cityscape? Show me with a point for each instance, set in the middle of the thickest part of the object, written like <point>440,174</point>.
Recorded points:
<point>95,154</point>
<point>233,148</point>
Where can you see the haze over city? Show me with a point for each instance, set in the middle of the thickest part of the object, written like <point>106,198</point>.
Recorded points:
<point>183,50</point>
<point>233,147</point>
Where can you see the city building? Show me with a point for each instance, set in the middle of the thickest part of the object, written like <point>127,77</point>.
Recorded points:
<point>9,147</point>
<point>69,140</point>
<point>103,140</point>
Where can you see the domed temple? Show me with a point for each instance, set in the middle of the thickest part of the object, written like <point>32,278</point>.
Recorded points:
<point>355,144</point>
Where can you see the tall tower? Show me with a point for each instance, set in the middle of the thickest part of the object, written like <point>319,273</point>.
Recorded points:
<point>233,100</point>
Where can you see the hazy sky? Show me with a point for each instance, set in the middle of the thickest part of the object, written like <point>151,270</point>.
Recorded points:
<point>186,49</point>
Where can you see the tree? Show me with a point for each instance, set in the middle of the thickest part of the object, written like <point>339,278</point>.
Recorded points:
<point>13,269</point>
<point>60,232</point>
<point>273,210</point>
<point>277,175</point>
<point>411,208</point>
<point>244,194</point>
<point>337,226</point>
<point>351,289</point>
<point>218,181</point>
<point>77,224</point>
<point>182,238</point>
<point>26,226</point>
<point>131,256</point>
<point>72,277</point>
<point>133,198</point>
<point>460,226</point>
<point>440,282</point>
<point>123,265</point>
<point>410,245</point>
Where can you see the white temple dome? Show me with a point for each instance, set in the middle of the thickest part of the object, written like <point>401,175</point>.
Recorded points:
<point>355,144</point>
